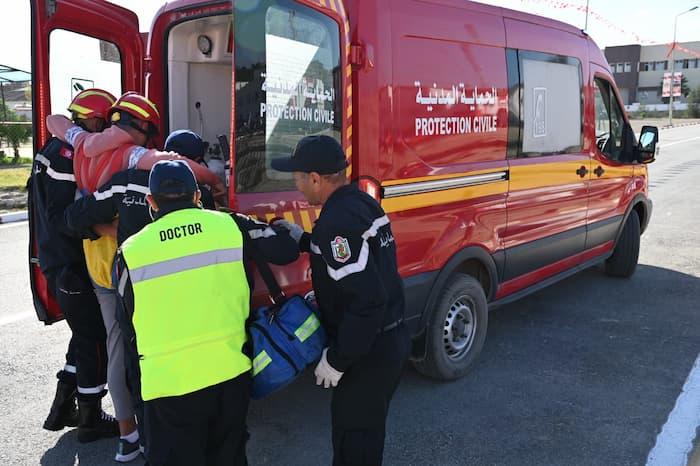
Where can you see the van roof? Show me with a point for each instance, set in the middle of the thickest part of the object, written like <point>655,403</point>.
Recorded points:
<point>505,12</point>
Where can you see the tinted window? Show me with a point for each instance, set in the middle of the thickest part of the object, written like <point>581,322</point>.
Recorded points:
<point>287,85</point>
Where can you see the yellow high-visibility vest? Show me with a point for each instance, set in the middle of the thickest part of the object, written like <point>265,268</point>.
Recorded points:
<point>191,301</point>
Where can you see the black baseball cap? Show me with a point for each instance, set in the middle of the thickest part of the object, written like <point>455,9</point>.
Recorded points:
<point>320,154</point>
<point>171,178</point>
<point>186,143</point>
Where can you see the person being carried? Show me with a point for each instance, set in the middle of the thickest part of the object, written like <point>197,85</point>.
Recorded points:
<point>61,259</point>
<point>135,121</point>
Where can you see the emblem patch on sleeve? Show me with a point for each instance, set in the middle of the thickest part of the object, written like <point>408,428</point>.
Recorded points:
<point>341,249</point>
<point>67,153</point>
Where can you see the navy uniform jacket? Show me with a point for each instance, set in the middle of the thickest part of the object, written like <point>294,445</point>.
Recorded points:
<point>355,276</point>
<point>124,195</point>
<point>53,188</point>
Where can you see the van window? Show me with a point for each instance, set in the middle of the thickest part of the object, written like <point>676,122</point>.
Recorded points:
<point>609,121</point>
<point>551,113</point>
<point>93,63</point>
<point>287,73</point>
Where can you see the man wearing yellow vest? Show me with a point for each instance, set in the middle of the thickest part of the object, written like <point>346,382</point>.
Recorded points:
<point>184,284</point>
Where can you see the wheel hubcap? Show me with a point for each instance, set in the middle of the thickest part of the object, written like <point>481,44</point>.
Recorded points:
<point>460,326</point>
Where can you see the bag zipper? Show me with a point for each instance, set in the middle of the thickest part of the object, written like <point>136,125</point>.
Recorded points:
<point>277,348</point>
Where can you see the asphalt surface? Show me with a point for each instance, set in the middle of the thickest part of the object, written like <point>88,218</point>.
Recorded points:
<point>582,373</point>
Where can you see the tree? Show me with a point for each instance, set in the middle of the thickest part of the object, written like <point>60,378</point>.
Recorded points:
<point>694,103</point>
<point>14,134</point>
<point>685,89</point>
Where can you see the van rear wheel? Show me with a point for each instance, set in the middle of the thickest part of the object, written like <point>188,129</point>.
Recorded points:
<point>456,329</point>
<point>623,261</point>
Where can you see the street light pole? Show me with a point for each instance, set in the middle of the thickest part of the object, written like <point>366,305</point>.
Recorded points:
<point>673,64</point>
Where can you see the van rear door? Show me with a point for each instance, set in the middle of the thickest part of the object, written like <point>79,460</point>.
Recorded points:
<point>288,84</point>
<point>76,44</point>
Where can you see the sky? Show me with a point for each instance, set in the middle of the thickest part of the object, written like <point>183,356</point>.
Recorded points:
<point>609,23</point>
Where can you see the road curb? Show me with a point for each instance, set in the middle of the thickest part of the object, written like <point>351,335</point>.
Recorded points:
<point>680,126</point>
<point>14,217</point>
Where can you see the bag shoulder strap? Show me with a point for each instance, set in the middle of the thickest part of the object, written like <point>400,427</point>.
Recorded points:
<point>276,294</point>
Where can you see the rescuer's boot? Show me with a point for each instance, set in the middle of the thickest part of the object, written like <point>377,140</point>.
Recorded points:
<point>93,423</point>
<point>63,410</point>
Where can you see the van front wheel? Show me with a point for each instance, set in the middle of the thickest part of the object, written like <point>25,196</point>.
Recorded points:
<point>456,329</point>
<point>623,261</point>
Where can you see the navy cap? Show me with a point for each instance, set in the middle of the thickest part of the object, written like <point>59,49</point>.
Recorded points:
<point>171,177</point>
<point>187,143</point>
<point>320,154</point>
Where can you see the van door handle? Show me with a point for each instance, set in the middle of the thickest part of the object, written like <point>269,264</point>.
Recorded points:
<point>599,171</point>
<point>582,172</point>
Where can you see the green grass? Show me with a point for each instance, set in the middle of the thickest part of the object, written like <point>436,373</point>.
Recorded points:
<point>14,178</point>
<point>7,161</point>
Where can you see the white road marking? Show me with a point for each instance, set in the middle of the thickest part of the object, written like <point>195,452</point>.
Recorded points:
<point>663,146</point>
<point>12,318</point>
<point>675,441</point>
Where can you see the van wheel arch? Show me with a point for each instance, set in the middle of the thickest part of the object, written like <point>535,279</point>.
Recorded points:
<point>473,261</point>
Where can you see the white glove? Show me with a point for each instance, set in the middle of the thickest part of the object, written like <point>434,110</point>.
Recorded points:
<point>295,231</point>
<point>325,373</point>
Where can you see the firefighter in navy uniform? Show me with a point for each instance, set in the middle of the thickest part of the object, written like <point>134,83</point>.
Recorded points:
<point>184,284</point>
<point>360,294</point>
<point>61,259</point>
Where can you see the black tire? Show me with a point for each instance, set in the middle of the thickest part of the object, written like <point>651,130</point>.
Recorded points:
<point>450,356</point>
<point>623,261</point>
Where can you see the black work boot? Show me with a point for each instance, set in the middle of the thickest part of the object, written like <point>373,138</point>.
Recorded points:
<point>63,411</point>
<point>94,423</point>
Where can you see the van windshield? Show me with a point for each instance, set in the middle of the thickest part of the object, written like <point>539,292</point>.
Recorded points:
<point>287,86</point>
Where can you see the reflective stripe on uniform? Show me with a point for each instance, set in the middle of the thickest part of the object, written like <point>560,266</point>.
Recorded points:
<point>53,173</point>
<point>260,362</point>
<point>314,248</point>
<point>361,263</point>
<point>120,189</point>
<point>264,233</point>
<point>91,390</point>
<point>182,264</point>
<point>305,330</point>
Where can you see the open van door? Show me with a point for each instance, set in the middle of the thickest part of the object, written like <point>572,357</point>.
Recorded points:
<point>76,44</point>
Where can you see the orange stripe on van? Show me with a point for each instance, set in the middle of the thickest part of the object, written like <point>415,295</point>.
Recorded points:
<point>417,201</point>
<point>536,175</point>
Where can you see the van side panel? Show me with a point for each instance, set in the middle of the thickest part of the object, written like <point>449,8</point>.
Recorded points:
<point>446,185</point>
<point>548,192</point>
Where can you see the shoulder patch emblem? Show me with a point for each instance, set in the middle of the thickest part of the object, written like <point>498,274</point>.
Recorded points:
<point>341,249</point>
<point>67,153</point>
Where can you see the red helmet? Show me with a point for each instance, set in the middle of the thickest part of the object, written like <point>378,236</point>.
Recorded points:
<point>133,106</point>
<point>91,103</point>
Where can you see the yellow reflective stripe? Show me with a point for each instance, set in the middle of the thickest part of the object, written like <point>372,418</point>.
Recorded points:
<point>136,108</point>
<point>153,106</point>
<point>307,328</point>
<point>79,109</point>
<point>260,362</point>
<point>102,94</point>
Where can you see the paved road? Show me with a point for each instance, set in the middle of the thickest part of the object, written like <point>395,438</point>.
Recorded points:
<point>583,373</point>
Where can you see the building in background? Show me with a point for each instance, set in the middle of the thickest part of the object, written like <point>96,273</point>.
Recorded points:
<point>639,70</point>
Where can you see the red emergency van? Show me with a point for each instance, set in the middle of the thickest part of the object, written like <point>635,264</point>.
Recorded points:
<point>495,140</point>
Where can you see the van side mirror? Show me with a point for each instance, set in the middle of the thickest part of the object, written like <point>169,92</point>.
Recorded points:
<point>647,143</point>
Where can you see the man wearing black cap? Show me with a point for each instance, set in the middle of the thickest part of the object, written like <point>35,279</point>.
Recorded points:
<point>186,290</point>
<point>360,294</point>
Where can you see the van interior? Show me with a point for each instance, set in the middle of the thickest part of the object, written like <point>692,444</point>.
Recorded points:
<point>199,82</point>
